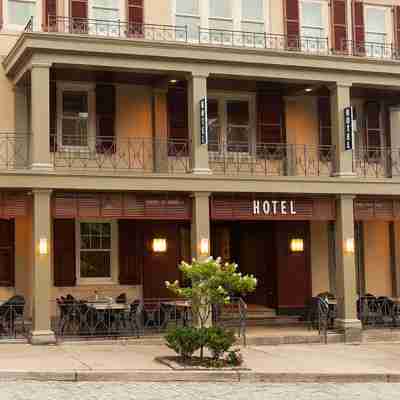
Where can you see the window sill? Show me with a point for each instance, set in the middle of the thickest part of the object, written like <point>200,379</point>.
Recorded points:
<point>96,282</point>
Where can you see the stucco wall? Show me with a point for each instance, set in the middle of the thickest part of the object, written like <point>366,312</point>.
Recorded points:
<point>158,12</point>
<point>377,258</point>
<point>319,257</point>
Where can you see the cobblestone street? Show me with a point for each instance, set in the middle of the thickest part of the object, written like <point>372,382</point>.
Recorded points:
<point>153,391</point>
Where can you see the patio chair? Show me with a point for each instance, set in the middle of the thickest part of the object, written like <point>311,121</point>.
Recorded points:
<point>152,314</point>
<point>368,310</point>
<point>385,310</point>
<point>134,316</point>
<point>10,311</point>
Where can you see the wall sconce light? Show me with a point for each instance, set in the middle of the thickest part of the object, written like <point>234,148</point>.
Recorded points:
<point>43,247</point>
<point>159,245</point>
<point>297,245</point>
<point>349,246</point>
<point>205,247</point>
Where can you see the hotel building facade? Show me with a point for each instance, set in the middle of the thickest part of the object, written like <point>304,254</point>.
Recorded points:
<point>262,131</point>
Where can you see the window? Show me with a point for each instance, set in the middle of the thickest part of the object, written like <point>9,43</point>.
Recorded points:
<point>107,11</point>
<point>188,14</point>
<point>253,16</point>
<point>95,250</point>
<point>221,15</point>
<point>20,11</point>
<point>313,24</point>
<point>377,30</point>
<point>75,114</point>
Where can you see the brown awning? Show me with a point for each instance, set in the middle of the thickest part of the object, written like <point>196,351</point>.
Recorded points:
<point>121,206</point>
<point>14,204</point>
<point>376,209</point>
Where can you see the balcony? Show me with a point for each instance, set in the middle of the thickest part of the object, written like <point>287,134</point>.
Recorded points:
<point>14,150</point>
<point>271,159</point>
<point>214,37</point>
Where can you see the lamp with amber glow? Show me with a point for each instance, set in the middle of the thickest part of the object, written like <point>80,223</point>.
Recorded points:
<point>159,245</point>
<point>349,246</point>
<point>297,245</point>
<point>43,247</point>
<point>204,247</point>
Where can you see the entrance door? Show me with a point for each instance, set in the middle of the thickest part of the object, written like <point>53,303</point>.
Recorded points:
<point>159,267</point>
<point>257,256</point>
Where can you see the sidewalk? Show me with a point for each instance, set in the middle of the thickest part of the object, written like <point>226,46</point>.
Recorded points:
<point>118,361</point>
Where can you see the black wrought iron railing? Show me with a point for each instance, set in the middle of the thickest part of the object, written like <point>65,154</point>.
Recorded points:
<point>148,155</point>
<point>12,324</point>
<point>376,162</point>
<point>271,159</point>
<point>370,49</point>
<point>378,312</point>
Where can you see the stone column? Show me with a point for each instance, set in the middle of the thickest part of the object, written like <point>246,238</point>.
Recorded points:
<point>340,99</point>
<point>395,250</point>
<point>200,223</point>
<point>197,90</point>
<point>395,140</point>
<point>346,287</point>
<point>160,121</point>
<point>41,318</point>
<point>22,127</point>
<point>40,117</point>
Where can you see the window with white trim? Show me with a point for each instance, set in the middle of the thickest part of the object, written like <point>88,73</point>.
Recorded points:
<point>221,15</point>
<point>378,30</point>
<point>312,19</point>
<point>75,114</point>
<point>253,16</point>
<point>96,250</point>
<point>107,11</point>
<point>188,14</point>
<point>19,12</point>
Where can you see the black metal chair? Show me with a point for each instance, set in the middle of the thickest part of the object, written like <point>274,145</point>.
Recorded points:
<point>11,311</point>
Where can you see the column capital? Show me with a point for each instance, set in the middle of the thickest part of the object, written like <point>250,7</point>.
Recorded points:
<point>42,191</point>
<point>199,75</point>
<point>346,197</point>
<point>198,195</point>
<point>40,65</point>
<point>337,85</point>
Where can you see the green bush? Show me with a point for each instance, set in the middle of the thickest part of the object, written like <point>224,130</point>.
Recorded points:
<point>219,341</point>
<point>235,358</point>
<point>185,341</point>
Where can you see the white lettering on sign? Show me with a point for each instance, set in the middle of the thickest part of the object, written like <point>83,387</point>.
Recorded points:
<point>274,207</point>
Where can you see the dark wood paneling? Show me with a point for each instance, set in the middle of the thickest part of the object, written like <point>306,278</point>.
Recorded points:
<point>369,209</point>
<point>293,269</point>
<point>7,250</point>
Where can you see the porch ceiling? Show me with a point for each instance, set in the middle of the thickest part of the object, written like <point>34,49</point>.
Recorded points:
<point>151,56</point>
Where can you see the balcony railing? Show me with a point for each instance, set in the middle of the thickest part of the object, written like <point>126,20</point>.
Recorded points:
<point>376,162</point>
<point>145,155</point>
<point>271,159</point>
<point>14,150</point>
<point>214,37</point>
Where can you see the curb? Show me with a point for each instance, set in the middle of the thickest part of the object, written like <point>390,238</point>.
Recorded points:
<point>194,376</point>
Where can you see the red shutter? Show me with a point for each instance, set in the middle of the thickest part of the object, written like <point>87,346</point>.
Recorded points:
<point>105,111</point>
<point>50,12</point>
<point>339,25</point>
<point>7,264</point>
<point>270,119</point>
<point>79,15</point>
<point>292,22</point>
<point>130,253</point>
<point>358,28</point>
<point>373,125</point>
<point>324,116</point>
<point>64,252</point>
<point>397,29</point>
<point>135,17</point>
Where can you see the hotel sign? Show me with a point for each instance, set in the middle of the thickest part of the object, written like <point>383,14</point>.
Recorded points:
<point>274,207</point>
<point>348,128</point>
<point>203,121</point>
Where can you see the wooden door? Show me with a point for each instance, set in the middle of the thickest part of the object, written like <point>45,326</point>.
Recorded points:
<point>7,252</point>
<point>257,257</point>
<point>293,269</point>
<point>160,267</point>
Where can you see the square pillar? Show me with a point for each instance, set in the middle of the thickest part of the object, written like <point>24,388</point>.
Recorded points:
<point>395,140</point>
<point>340,99</point>
<point>197,90</point>
<point>41,317</point>
<point>346,286</point>
<point>160,121</point>
<point>22,126</point>
<point>394,232</point>
<point>40,117</point>
<point>200,228</point>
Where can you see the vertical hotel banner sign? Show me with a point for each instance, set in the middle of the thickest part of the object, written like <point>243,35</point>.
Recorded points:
<point>203,121</point>
<point>348,128</point>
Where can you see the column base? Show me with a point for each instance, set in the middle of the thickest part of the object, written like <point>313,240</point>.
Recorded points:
<point>201,171</point>
<point>41,167</point>
<point>351,329</point>
<point>42,338</point>
<point>344,174</point>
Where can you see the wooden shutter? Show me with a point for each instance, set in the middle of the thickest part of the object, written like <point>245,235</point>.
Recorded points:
<point>373,125</point>
<point>64,252</point>
<point>79,8</point>
<point>339,25</point>
<point>324,117</point>
<point>50,11</point>
<point>7,263</point>
<point>270,119</point>
<point>53,116</point>
<point>135,17</point>
<point>397,29</point>
<point>292,24</point>
<point>131,250</point>
<point>358,28</point>
<point>105,112</point>
<point>1,14</point>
